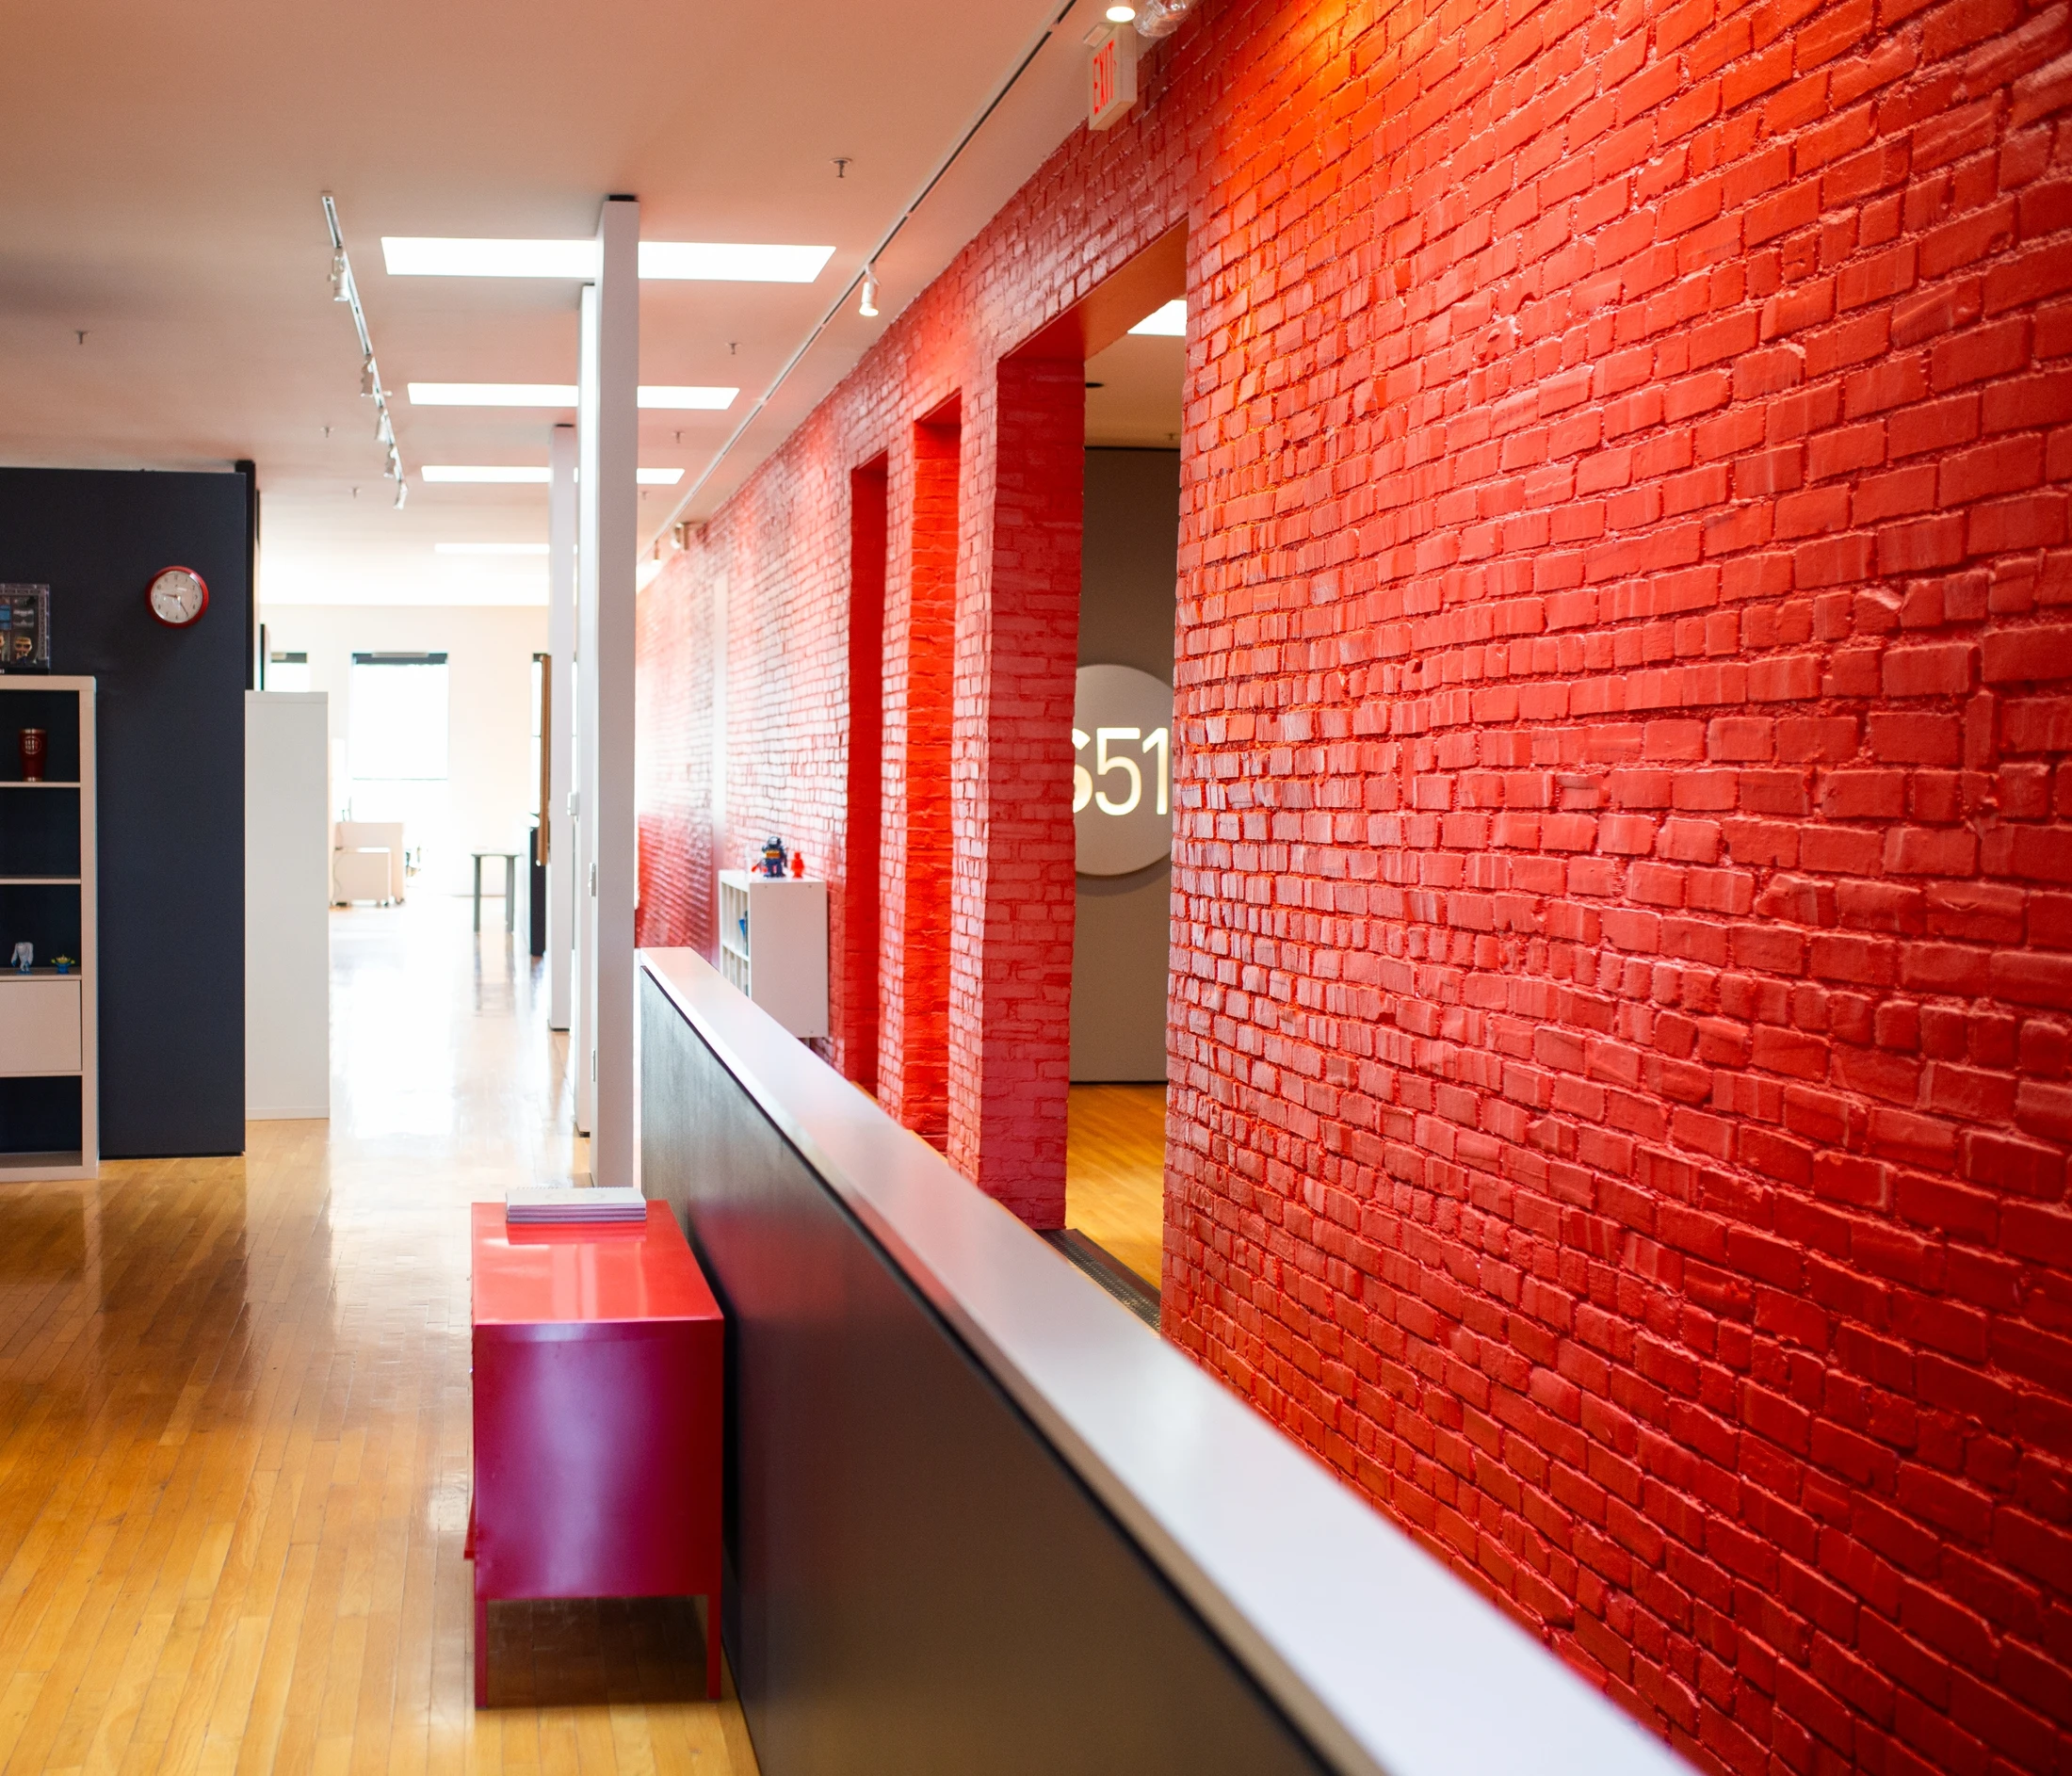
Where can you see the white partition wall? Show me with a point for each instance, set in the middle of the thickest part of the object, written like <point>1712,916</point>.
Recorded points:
<point>558,824</point>
<point>609,505</point>
<point>287,897</point>
<point>582,1048</point>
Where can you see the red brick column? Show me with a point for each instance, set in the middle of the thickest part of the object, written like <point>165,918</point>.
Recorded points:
<point>921,1079</point>
<point>856,937</point>
<point>1017,653</point>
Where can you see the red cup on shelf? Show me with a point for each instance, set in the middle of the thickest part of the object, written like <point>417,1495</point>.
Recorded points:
<point>35,745</point>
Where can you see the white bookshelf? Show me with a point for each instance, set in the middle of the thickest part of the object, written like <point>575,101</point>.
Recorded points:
<point>773,945</point>
<point>49,1035</point>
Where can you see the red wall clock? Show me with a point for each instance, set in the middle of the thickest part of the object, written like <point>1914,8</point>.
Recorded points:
<point>178,596</point>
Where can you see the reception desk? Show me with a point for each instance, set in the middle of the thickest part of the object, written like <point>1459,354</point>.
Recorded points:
<point>979,1518</point>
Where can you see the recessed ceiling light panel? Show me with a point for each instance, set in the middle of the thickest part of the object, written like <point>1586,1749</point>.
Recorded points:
<point>446,256</point>
<point>528,475</point>
<point>489,548</point>
<point>719,262</point>
<point>492,394</point>
<point>675,397</point>
<point>715,262</point>
<point>687,398</point>
<point>1169,322</point>
<point>513,475</point>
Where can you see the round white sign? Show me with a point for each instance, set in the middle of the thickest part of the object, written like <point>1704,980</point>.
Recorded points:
<point>1122,771</point>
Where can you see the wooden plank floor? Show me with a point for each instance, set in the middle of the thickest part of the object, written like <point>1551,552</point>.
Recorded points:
<point>233,1427</point>
<point>1115,1171</point>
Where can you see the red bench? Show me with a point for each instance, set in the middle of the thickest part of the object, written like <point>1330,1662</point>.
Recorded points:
<point>597,1419</point>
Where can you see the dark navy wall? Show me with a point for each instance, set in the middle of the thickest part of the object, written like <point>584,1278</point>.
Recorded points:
<point>171,736</point>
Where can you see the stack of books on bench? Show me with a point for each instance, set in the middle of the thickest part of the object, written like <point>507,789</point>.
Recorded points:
<point>561,1205</point>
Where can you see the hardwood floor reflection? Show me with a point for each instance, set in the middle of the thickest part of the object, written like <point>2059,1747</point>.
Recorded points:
<point>1115,1171</point>
<point>234,1426</point>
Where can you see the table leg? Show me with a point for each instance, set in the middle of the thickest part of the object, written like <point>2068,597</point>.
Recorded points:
<point>712,1647</point>
<point>511,894</point>
<point>477,892</point>
<point>482,1647</point>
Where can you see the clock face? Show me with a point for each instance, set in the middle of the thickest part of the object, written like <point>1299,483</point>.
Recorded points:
<point>178,596</point>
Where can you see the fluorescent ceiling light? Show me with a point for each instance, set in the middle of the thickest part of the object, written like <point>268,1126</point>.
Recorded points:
<point>489,548</point>
<point>492,394</point>
<point>499,473</point>
<point>444,256</point>
<point>675,396</point>
<point>722,262</point>
<point>686,397</point>
<point>1169,322</point>
<point>718,261</point>
<point>526,474</point>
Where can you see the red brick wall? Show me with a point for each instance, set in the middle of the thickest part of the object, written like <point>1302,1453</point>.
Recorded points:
<point>1623,998</point>
<point>929,660</point>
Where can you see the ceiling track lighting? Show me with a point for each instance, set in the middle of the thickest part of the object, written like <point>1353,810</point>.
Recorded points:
<point>1155,19</point>
<point>345,288</point>
<point>999,93</point>
<point>868,307</point>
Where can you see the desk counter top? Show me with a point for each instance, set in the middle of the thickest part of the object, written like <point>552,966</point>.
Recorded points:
<point>584,1275</point>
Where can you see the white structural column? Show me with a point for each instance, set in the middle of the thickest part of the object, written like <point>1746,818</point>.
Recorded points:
<point>582,1048</point>
<point>561,847</point>
<point>610,527</point>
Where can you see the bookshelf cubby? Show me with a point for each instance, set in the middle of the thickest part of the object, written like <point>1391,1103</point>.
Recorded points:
<point>49,1045</point>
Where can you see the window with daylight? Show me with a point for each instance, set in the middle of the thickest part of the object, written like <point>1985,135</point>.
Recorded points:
<point>397,746</point>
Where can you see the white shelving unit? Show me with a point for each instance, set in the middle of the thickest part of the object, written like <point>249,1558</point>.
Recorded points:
<point>773,945</point>
<point>49,1035</point>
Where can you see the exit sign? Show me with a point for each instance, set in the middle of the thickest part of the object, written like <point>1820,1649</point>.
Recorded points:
<point>1111,76</point>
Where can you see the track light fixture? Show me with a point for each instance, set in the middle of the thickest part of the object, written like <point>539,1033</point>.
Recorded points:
<point>345,288</point>
<point>867,308</point>
<point>1160,18</point>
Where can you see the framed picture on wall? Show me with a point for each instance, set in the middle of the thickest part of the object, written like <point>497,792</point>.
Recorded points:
<point>24,628</point>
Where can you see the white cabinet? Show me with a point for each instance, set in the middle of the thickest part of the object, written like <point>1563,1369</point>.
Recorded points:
<point>50,1070</point>
<point>39,1024</point>
<point>773,945</point>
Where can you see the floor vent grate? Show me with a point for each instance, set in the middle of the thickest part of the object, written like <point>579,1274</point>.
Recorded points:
<point>1111,1272</point>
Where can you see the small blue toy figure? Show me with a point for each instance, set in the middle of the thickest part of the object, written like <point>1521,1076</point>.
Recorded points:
<point>773,858</point>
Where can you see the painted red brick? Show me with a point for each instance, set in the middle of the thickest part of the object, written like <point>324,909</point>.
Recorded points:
<point>1620,1030</point>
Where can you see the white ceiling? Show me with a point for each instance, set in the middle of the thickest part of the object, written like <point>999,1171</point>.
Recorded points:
<point>160,193</point>
<point>1134,392</point>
